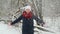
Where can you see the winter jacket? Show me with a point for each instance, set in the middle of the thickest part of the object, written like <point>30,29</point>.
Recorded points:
<point>27,25</point>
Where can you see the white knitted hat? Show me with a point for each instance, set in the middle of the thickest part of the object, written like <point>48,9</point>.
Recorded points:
<point>26,7</point>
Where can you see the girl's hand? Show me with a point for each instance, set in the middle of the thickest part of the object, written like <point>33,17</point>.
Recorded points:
<point>9,24</point>
<point>43,24</point>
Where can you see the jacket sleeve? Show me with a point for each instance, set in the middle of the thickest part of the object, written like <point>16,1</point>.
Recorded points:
<point>17,20</point>
<point>39,21</point>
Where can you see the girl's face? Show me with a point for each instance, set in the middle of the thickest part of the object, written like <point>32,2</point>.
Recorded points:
<point>27,10</point>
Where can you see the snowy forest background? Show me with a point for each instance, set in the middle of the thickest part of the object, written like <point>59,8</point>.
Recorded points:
<point>48,10</point>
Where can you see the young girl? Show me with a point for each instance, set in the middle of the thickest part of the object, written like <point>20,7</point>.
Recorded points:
<point>27,17</point>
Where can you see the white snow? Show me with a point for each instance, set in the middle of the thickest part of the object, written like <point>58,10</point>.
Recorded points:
<point>5,29</point>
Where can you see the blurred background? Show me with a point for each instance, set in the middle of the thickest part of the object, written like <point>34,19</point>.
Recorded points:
<point>48,10</point>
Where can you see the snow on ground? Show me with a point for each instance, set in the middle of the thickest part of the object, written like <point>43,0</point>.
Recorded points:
<point>5,29</point>
<point>50,24</point>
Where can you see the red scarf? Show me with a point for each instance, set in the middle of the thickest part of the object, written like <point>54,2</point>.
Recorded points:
<point>29,15</point>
